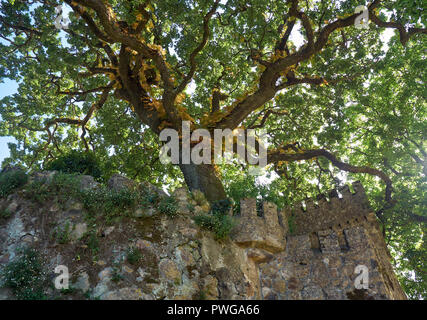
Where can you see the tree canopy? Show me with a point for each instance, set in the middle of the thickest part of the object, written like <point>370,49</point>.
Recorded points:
<point>338,103</point>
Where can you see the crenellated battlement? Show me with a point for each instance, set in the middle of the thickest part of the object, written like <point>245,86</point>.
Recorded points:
<point>337,212</point>
<point>310,250</point>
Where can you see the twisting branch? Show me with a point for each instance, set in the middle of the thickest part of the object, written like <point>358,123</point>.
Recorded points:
<point>294,11</point>
<point>276,156</point>
<point>280,155</point>
<point>404,35</point>
<point>78,122</point>
<point>265,117</point>
<point>281,45</point>
<point>291,80</point>
<point>20,28</point>
<point>193,55</point>
<point>130,41</point>
<point>141,25</point>
<point>96,106</point>
<point>56,121</point>
<point>112,29</point>
<point>88,19</point>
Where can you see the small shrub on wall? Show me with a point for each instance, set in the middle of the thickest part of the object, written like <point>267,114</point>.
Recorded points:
<point>11,180</point>
<point>77,162</point>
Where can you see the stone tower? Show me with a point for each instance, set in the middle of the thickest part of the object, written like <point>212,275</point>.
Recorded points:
<point>313,252</point>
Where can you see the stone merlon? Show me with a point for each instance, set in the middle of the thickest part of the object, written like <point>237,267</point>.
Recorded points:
<point>259,232</point>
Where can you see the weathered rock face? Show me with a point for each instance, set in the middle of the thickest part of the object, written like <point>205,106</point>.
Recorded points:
<point>177,260</point>
<point>118,182</point>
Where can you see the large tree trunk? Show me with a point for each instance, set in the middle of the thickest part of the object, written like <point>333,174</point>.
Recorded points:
<point>204,178</point>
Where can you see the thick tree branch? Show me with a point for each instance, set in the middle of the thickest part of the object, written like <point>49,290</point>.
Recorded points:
<point>112,29</point>
<point>281,45</point>
<point>75,93</point>
<point>277,155</point>
<point>132,91</point>
<point>89,21</point>
<point>404,35</point>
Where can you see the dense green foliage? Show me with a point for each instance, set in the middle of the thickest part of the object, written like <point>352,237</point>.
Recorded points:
<point>62,233</point>
<point>168,206</point>
<point>361,96</point>
<point>26,276</point>
<point>109,204</point>
<point>76,162</point>
<point>5,214</point>
<point>62,186</point>
<point>133,256</point>
<point>11,180</point>
<point>218,220</point>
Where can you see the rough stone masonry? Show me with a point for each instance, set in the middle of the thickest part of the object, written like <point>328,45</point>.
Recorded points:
<point>312,253</point>
<point>294,253</point>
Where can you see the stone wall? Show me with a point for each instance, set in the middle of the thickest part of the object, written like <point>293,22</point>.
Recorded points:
<point>312,253</point>
<point>288,254</point>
